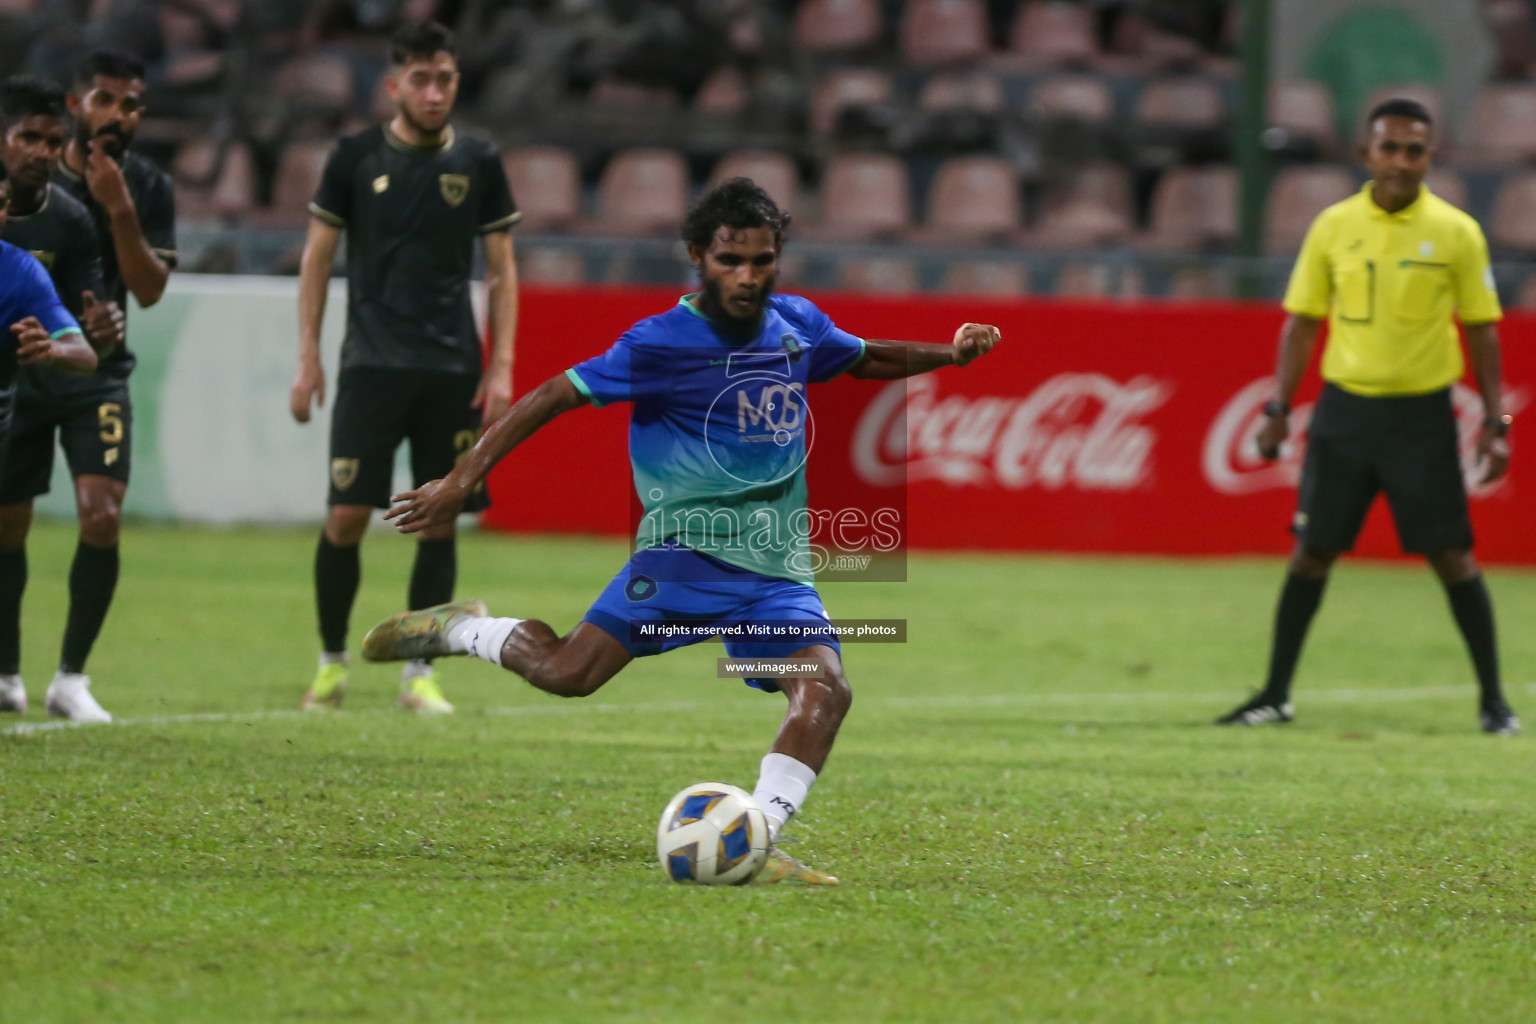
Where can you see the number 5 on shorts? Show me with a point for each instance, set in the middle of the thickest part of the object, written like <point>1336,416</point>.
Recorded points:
<point>111,416</point>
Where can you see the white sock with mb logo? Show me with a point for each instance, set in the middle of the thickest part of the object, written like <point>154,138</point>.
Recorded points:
<point>481,637</point>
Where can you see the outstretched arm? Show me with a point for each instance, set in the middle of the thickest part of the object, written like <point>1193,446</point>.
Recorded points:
<point>441,500</point>
<point>890,360</point>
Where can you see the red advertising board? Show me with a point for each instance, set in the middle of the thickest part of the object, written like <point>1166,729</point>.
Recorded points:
<point>1093,427</point>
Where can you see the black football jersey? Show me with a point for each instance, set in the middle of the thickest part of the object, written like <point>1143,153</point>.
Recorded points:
<point>412,215</point>
<point>62,235</point>
<point>154,199</point>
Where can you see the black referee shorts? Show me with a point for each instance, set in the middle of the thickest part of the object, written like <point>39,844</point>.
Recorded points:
<point>376,409</point>
<point>1402,445</point>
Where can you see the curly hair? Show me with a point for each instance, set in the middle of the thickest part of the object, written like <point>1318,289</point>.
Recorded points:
<point>739,204</point>
<point>30,96</point>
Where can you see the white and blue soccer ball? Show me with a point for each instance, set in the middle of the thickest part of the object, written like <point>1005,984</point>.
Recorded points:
<point>712,833</point>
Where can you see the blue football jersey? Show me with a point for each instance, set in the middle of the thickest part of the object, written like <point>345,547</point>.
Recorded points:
<point>718,436</point>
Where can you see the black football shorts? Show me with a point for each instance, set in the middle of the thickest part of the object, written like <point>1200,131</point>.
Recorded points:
<point>1404,446</point>
<point>94,428</point>
<point>376,409</point>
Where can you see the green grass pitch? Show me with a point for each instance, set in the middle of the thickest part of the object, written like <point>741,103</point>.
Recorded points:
<point>1032,818</point>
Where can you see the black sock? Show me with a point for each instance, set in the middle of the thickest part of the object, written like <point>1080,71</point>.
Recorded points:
<point>1299,599</point>
<point>338,571</point>
<point>1473,609</point>
<point>13,580</point>
<point>434,574</point>
<point>92,582</point>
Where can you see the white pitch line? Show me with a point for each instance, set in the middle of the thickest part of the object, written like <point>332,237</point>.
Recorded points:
<point>1399,695</point>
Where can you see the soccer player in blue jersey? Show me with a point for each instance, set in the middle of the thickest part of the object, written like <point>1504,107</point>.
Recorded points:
<point>43,334</point>
<point>717,441</point>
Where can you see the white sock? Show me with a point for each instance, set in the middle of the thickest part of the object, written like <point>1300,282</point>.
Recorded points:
<point>414,669</point>
<point>782,786</point>
<point>481,637</point>
<point>333,658</point>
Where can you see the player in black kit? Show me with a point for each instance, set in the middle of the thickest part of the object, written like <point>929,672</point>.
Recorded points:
<point>413,196</point>
<point>57,229</point>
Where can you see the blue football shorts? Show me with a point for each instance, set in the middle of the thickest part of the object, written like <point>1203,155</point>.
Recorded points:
<point>679,585</point>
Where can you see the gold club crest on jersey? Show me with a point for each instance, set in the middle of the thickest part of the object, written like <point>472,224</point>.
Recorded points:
<point>455,187</point>
<point>343,472</point>
<point>380,184</point>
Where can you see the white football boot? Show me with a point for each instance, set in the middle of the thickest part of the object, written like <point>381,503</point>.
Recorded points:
<point>13,694</point>
<point>69,696</point>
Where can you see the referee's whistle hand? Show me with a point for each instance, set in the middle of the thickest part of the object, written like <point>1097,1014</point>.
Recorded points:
<point>1272,435</point>
<point>1493,453</point>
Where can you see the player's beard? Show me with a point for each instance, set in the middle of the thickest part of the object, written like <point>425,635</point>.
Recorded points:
<point>420,126</point>
<point>712,303</point>
<point>117,140</point>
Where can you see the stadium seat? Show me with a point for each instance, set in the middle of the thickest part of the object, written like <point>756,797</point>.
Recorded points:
<point>1297,196</point>
<point>1303,109</point>
<point>200,194</point>
<point>1183,101</point>
<point>1073,98</point>
<point>297,179</point>
<point>844,89</point>
<point>774,172</point>
<point>724,92</point>
<point>864,196</point>
<point>1099,280</point>
<point>546,184</point>
<point>1503,126</point>
<point>1201,283</point>
<point>1448,184</point>
<point>1512,225</point>
<point>1193,209</point>
<point>1091,207</point>
<point>641,192</point>
<point>973,199</point>
<point>949,92</point>
<point>837,26</point>
<point>626,95</point>
<point>1525,296</point>
<point>886,275</point>
<point>972,277</point>
<point>1051,33</point>
<point>943,32</point>
<point>550,266</point>
<point>315,85</point>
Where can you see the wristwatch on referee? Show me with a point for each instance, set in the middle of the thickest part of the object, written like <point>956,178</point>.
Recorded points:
<point>1276,409</point>
<point>1498,426</point>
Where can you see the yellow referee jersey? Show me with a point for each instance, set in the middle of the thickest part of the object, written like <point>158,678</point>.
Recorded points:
<point>1390,285</point>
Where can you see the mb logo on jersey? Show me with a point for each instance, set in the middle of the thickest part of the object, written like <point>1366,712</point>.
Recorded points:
<point>778,409</point>
<point>792,345</point>
<point>455,187</point>
<point>343,473</point>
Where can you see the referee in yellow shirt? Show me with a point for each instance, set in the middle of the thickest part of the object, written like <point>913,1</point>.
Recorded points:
<point>1391,269</point>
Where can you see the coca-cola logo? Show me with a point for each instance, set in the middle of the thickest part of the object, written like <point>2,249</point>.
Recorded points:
<point>1080,430</point>
<point>1232,463</point>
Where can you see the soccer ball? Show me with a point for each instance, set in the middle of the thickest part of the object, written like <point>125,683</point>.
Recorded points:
<point>714,834</point>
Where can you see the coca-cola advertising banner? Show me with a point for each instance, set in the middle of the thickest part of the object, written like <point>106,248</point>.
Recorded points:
<point>1090,428</point>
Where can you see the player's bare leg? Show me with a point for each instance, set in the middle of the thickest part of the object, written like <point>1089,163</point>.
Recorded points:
<point>15,522</point>
<point>1299,599</point>
<point>817,707</point>
<point>1472,608</point>
<point>338,571</point>
<point>575,665</point>
<point>92,583</point>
